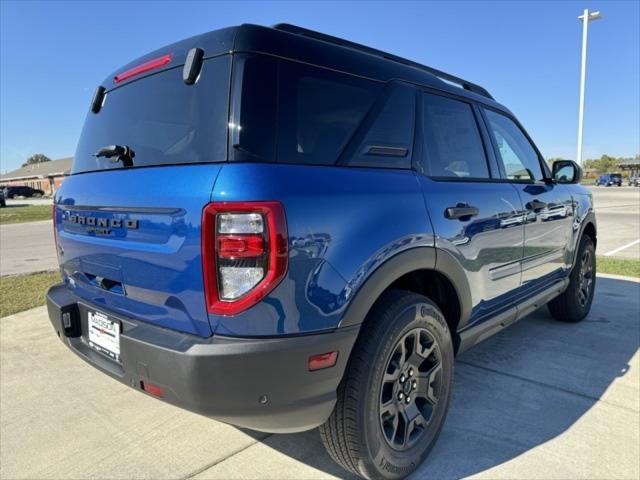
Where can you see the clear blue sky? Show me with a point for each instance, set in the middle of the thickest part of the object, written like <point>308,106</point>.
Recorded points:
<point>527,54</point>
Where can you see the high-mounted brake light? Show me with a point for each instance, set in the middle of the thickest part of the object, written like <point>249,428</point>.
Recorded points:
<point>143,68</point>
<point>244,253</point>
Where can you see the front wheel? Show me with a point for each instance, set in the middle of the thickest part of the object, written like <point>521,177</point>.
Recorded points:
<point>574,304</point>
<point>394,397</point>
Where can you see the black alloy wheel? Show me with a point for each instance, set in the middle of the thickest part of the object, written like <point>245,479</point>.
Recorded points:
<point>410,389</point>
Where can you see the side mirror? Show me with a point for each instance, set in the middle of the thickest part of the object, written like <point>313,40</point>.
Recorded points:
<point>566,171</point>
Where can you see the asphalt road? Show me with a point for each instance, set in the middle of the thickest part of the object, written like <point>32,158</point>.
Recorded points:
<point>541,400</point>
<point>618,217</point>
<point>26,248</point>
<point>29,201</point>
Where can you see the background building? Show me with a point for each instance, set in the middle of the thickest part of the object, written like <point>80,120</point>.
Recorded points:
<point>47,176</point>
<point>632,166</point>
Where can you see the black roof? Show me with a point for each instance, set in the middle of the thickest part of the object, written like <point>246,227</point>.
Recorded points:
<point>300,44</point>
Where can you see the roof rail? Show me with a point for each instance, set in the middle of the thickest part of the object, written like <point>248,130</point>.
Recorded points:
<point>472,87</point>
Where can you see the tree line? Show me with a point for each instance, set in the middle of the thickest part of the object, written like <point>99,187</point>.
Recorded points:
<point>604,164</point>
<point>37,158</point>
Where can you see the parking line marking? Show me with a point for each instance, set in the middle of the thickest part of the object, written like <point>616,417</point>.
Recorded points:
<point>619,249</point>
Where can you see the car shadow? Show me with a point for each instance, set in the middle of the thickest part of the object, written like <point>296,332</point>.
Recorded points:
<point>518,389</point>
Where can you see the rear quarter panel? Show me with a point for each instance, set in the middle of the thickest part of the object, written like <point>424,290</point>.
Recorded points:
<point>584,213</point>
<point>342,222</point>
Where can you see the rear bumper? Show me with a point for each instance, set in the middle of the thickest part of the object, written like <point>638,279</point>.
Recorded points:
<point>220,377</point>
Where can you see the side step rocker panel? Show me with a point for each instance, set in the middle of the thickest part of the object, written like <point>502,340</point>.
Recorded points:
<point>478,333</point>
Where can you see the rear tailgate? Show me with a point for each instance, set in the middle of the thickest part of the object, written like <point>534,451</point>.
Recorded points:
<point>130,240</point>
<point>128,226</point>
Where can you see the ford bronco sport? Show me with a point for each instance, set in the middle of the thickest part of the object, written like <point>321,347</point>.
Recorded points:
<point>284,230</point>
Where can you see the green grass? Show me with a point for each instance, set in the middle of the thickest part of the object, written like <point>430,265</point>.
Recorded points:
<point>22,292</point>
<point>619,266</point>
<point>24,213</point>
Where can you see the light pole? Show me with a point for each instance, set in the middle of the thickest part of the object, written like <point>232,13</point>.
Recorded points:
<point>585,17</point>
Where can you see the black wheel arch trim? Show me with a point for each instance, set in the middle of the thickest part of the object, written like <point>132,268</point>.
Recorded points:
<point>589,219</point>
<point>419,258</point>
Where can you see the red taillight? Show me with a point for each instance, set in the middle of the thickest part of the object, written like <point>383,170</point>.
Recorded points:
<point>143,68</point>
<point>323,360</point>
<point>244,253</point>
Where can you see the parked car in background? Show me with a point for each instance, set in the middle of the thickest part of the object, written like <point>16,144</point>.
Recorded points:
<point>609,179</point>
<point>634,180</point>
<point>334,225</point>
<point>22,191</point>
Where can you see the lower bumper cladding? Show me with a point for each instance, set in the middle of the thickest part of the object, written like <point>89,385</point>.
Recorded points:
<point>263,384</point>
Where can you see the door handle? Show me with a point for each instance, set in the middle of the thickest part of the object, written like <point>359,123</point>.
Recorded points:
<point>461,211</point>
<point>536,205</point>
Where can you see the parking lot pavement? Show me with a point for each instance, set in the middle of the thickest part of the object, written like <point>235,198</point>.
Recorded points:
<point>27,248</point>
<point>618,217</point>
<point>542,399</point>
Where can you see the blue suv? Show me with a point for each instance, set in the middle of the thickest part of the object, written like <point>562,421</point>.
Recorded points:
<point>284,230</point>
<point>609,179</point>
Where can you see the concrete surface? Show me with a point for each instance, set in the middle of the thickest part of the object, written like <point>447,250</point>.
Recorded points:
<point>27,248</point>
<point>542,399</point>
<point>618,216</point>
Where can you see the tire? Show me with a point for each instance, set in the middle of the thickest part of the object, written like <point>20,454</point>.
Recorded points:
<point>574,303</point>
<point>365,434</point>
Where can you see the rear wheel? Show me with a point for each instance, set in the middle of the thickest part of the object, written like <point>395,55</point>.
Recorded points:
<point>574,304</point>
<point>394,397</point>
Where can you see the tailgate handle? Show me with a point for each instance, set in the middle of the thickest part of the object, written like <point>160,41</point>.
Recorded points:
<point>106,284</point>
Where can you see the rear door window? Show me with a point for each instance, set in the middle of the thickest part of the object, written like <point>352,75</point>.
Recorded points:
<point>453,146</point>
<point>162,119</point>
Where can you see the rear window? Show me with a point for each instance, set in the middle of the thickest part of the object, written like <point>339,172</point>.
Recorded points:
<point>163,120</point>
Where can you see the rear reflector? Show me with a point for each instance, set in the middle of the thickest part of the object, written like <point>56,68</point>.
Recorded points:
<point>143,68</point>
<point>152,389</point>
<point>323,360</point>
